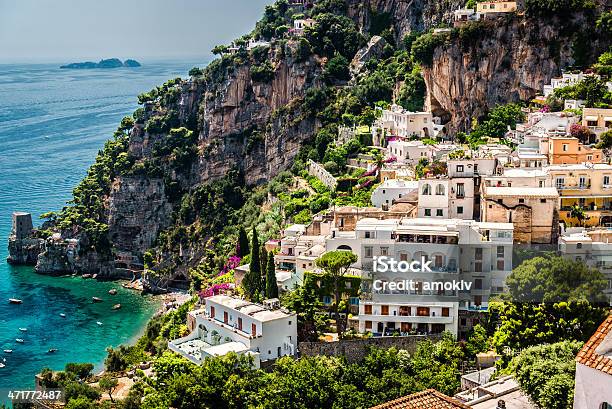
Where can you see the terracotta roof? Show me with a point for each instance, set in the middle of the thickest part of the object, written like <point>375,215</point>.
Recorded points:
<point>428,399</point>
<point>597,351</point>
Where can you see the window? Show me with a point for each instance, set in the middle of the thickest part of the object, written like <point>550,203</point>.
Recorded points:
<point>367,309</point>
<point>289,322</point>
<point>439,212</point>
<point>459,209</point>
<point>225,317</point>
<point>460,190</point>
<point>240,323</point>
<point>427,212</point>
<point>560,182</point>
<point>606,180</point>
<point>368,325</point>
<point>500,264</point>
<point>368,235</point>
<point>403,257</point>
<point>368,251</point>
<point>212,312</point>
<point>542,200</point>
<point>253,330</point>
<point>578,245</point>
<point>582,181</point>
<point>521,200</point>
<point>445,311</point>
<point>541,183</point>
<point>478,300</point>
<point>423,311</point>
<point>478,284</point>
<point>440,189</point>
<point>565,147</point>
<point>384,310</point>
<point>426,189</point>
<point>347,284</point>
<point>459,168</point>
<point>501,251</point>
<point>478,253</point>
<point>384,251</point>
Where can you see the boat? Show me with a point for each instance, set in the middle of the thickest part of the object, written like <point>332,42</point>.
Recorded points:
<point>96,299</point>
<point>62,315</point>
<point>8,351</point>
<point>116,306</point>
<point>15,301</point>
<point>86,276</point>
<point>19,340</point>
<point>2,365</point>
<point>98,322</point>
<point>23,329</point>
<point>112,291</point>
<point>52,350</point>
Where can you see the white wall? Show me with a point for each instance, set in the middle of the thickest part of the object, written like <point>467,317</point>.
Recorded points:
<point>592,388</point>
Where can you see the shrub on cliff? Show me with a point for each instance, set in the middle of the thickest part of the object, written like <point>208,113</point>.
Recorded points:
<point>337,68</point>
<point>423,48</point>
<point>333,34</point>
<point>262,73</point>
<point>562,7</point>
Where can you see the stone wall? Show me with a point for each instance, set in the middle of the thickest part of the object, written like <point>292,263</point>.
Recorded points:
<point>355,350</point>
<point>318,171</point>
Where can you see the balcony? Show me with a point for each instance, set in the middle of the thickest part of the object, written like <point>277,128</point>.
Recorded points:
<point>574,187</point>
<point>416,319</point>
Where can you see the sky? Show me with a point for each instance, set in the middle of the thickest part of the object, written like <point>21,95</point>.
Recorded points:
<point>79,30</point>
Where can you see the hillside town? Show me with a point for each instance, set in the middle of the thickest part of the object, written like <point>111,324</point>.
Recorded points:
<point>339,214</point>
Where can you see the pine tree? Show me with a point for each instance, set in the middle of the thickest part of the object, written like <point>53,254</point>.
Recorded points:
<point>243,242</point>
<point>271,286</point>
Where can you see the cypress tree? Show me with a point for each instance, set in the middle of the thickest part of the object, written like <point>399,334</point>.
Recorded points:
<point>263,258</point>
<point>243,243</point>
<point>271,286</point>
<point>252,281</point>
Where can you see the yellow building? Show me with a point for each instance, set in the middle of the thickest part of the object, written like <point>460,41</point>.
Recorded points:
<point>569,151</point>
<point>597,119</point>
<point>496,7</point>
<point>588,186</point>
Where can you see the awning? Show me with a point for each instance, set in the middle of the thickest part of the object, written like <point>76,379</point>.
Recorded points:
<point>608,118</point>
<point>590,118</point>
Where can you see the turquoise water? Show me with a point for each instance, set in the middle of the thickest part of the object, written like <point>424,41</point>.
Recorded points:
<point>52,123</point>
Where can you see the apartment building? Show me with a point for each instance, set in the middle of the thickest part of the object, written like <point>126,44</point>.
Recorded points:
<point>532,210</point>
<point>480,253</point>
<point>592,247</point>
<point>298,252</point>
<point>563,150</point>
<point>390,190</point>
<point>397,121</point>
<point>409,151</point>
<point>493,7</point>
<point>588,186</point>
<point>598,120</point>
<point>565,80</point>
<point>230,324</point>
<point>518,177</point>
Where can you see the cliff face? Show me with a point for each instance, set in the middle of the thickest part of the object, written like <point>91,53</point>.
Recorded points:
<point>510,59</point>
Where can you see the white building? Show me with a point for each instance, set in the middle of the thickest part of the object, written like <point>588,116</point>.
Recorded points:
<point>593,388</point>
<point>447,198</point>
<point>462,16</point>
<point>518,177</point>
<point>565,80</point>
<point>409,151</point>
<point>391,190</point>
<point>230,324</point>
<point>399,122</point>
<point>297,254</point>
<point>592,247</point>
<point>480,253</point>
<point>300,25</point>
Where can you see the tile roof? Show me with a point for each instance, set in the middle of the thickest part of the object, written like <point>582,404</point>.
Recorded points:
<point>596,352</point>
<point>428,399</point>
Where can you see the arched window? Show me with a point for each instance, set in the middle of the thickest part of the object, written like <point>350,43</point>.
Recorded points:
<point>345,248</point>
<point>440,190</point>
<point>426,189</point>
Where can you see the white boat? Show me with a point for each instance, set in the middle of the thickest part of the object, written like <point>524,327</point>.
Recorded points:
<point>8,351</point>
<point>98,322</point>
<point>15,301</point>
<point>62,315</point>
<point>19,340</point>
<point>2,365</point>
<point>23,329</point>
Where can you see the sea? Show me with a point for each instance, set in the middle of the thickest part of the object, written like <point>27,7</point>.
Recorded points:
<point>52,123</point>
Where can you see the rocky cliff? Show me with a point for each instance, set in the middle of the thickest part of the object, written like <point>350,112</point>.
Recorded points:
<point>506,59</point>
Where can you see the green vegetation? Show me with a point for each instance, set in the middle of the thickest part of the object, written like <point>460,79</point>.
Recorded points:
<point>546,373</point>
<point>496,123</point>
<point>560,7</point>
<point>592,90</point>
